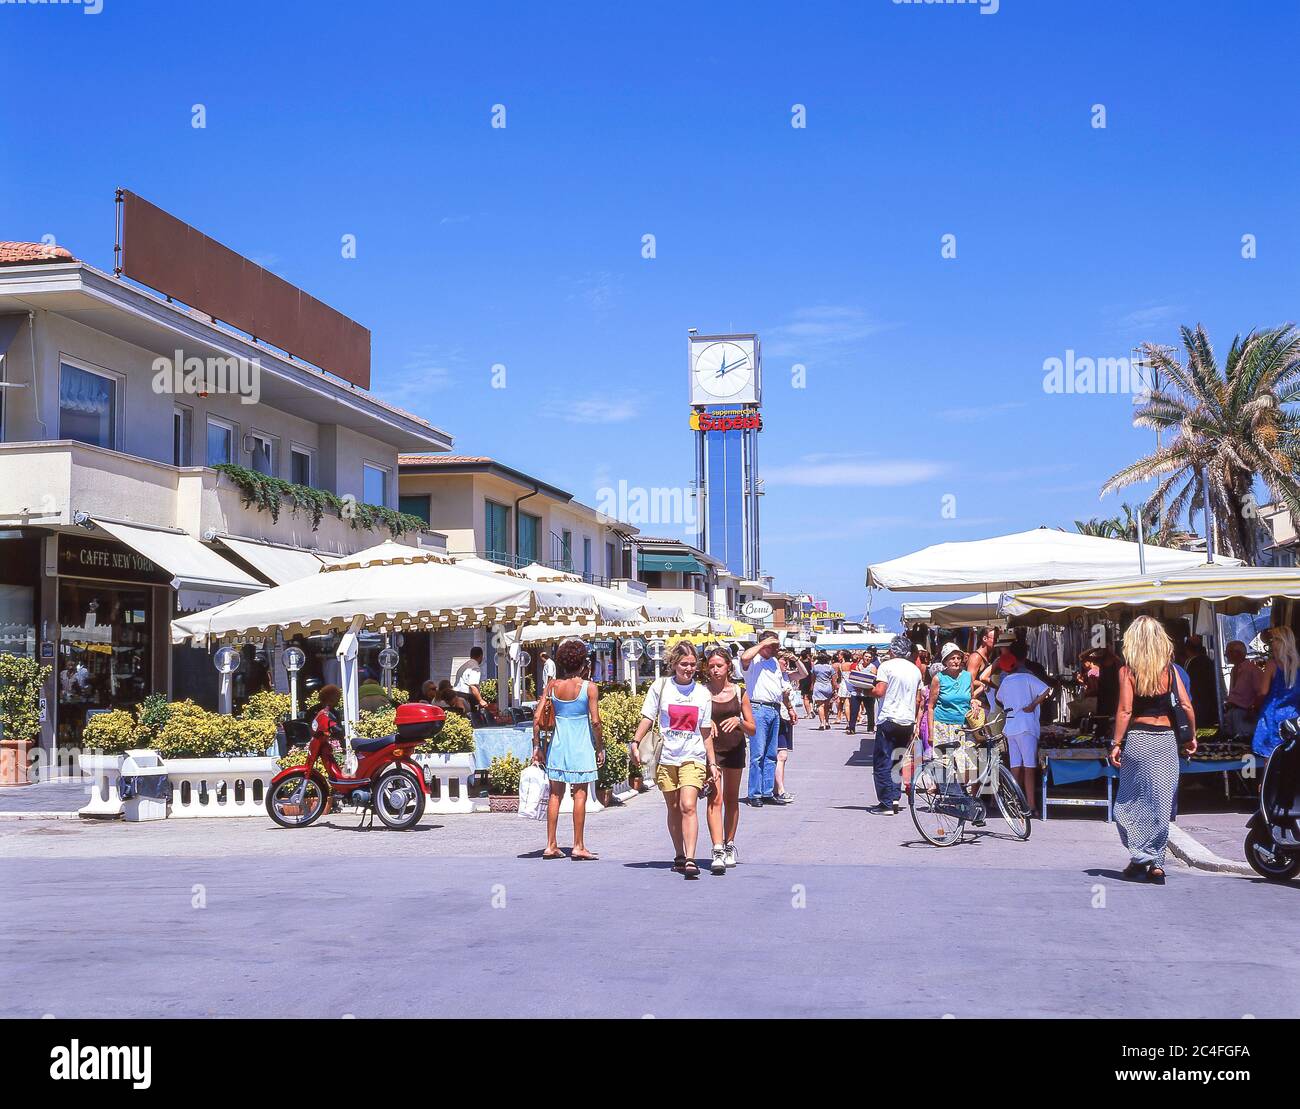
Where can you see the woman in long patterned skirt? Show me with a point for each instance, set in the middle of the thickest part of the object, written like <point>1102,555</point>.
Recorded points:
<point>1145,749</point>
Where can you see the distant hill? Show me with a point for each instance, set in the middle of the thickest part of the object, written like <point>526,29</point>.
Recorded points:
<point>889,617</point>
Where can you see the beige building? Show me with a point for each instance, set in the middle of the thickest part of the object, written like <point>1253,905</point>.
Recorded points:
<point>112,517</point>
<point>488,509</point>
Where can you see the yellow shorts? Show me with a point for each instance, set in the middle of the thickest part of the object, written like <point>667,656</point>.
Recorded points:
<point>669,778</point>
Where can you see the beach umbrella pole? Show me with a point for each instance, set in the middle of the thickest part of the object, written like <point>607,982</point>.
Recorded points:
<point>347,656</point>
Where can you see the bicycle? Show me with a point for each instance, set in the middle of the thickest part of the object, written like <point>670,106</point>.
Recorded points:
<point>940,800</point>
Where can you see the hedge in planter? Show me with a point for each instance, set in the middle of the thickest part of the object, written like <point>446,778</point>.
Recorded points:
<point>191,732</point>
<point>113,733</point>
<point>456,738</point>
<point>614,770</point>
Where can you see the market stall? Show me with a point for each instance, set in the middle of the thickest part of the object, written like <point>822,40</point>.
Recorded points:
<point>1068,758</point>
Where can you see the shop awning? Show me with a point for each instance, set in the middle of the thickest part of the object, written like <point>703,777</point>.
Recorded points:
<point>668,562</point>
<point>202,577</point>
<point>280,565</point>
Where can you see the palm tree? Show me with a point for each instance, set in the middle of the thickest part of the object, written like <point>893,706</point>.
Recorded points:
<point>1100,528</point>
<point>1230,427</point>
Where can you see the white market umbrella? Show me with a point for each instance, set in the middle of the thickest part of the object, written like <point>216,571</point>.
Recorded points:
<point>390,587</point>
<point>1230,589</point>
<point>1043,556</point>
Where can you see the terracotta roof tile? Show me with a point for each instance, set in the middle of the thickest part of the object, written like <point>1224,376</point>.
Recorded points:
<point>17,253</point>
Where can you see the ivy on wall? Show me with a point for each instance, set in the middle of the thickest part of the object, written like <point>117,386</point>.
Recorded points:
<point>270,494</point>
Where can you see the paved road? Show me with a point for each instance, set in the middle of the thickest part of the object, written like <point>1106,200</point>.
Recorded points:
<point>832,912</point>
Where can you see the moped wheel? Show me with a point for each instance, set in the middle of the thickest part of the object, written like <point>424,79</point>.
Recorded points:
<point>288,809</point>
<point>399,800</point>
<point>1266,860</point>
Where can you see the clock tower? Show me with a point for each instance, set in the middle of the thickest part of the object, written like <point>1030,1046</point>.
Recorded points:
<point>726,384</point>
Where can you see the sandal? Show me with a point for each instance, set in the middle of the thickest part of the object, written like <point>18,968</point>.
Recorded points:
<point>679,863</point>
<point>1134,872</point>
<point>690,869</point>
<point>557,855</point>
<point>1156,875</point>
<point>589,857</point>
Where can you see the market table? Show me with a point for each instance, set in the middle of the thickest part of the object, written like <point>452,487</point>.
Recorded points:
<point>1069,765</point>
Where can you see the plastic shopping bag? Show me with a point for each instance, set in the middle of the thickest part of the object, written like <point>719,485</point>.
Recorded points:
<point>534,792</point>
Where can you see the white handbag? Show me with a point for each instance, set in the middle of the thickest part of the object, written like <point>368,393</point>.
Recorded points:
<point>534,792</point>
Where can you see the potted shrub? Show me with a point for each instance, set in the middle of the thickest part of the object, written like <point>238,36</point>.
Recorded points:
<point>503,783</point>
<point>613,772</point>
<point>21,679</point>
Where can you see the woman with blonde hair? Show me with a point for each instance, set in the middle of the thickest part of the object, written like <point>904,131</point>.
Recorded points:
<point>1282,680</point>
<point>682,708</point>
<point>1145,747</point>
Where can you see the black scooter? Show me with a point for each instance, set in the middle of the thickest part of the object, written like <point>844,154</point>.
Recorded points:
<point>1273,842</point>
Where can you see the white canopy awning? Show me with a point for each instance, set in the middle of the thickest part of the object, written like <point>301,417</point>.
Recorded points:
<point>1043,556</point>
<point>197,571</point>
<point>612,606</point>
<point>1231,589</point>
<point>279,564</point>
<point>391,587</point>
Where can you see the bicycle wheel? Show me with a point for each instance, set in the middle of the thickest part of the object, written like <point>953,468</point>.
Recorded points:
<point>1012,804</point>
<point>937,802</point>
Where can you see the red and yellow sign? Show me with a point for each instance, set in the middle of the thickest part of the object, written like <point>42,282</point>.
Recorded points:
<point>740,419</point>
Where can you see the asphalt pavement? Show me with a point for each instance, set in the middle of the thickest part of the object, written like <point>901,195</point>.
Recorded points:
<point>832,912</point>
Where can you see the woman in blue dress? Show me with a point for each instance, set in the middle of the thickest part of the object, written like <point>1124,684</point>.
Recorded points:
<point>577,745</point>
<point>1282,678</point>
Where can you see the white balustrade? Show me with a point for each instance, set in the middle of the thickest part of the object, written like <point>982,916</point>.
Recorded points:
<point>448,778</point>
<point>220,787</point>
<point>104,772</point>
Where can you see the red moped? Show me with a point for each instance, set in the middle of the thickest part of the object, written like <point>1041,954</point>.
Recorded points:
<point>387,782</point>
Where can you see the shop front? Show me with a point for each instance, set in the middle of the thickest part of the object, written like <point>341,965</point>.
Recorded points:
<point>112,606</point>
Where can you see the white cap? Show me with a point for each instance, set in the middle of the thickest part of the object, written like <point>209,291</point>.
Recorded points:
<point>946,650</point>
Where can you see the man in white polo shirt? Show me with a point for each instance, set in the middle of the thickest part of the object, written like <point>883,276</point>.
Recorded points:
<point>1021,694</point>
<point>765,686</point>
<point>898,686</point>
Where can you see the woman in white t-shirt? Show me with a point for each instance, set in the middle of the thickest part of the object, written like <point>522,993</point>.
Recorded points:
<point>682,708</point>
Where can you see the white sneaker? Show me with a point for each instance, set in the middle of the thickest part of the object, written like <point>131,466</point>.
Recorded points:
<point>729,855</point>
<point>719,864</point>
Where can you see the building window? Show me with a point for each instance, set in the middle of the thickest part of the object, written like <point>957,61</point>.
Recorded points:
<point>566,550</point>
<point>415,505</point>
<point>300,466</point>
<point>221,441</point>
<point>530,532</point>
<point>496,532</point>
<point>374,484</point>
<point>609,561</point>
<point>261,453</point>
<point>182,436</point>
<point>87,406</point>
<point>586,559</point>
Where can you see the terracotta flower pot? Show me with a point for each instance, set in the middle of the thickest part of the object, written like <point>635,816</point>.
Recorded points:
<point>503,802</point>
<point>13,762</point>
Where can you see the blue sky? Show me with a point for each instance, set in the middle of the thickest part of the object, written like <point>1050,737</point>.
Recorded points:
<point>521,246</point>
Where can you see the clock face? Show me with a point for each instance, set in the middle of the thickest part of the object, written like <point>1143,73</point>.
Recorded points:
<point>723,370</point>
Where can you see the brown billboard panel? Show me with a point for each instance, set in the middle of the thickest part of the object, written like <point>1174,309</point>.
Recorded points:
<point>169,255</point>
